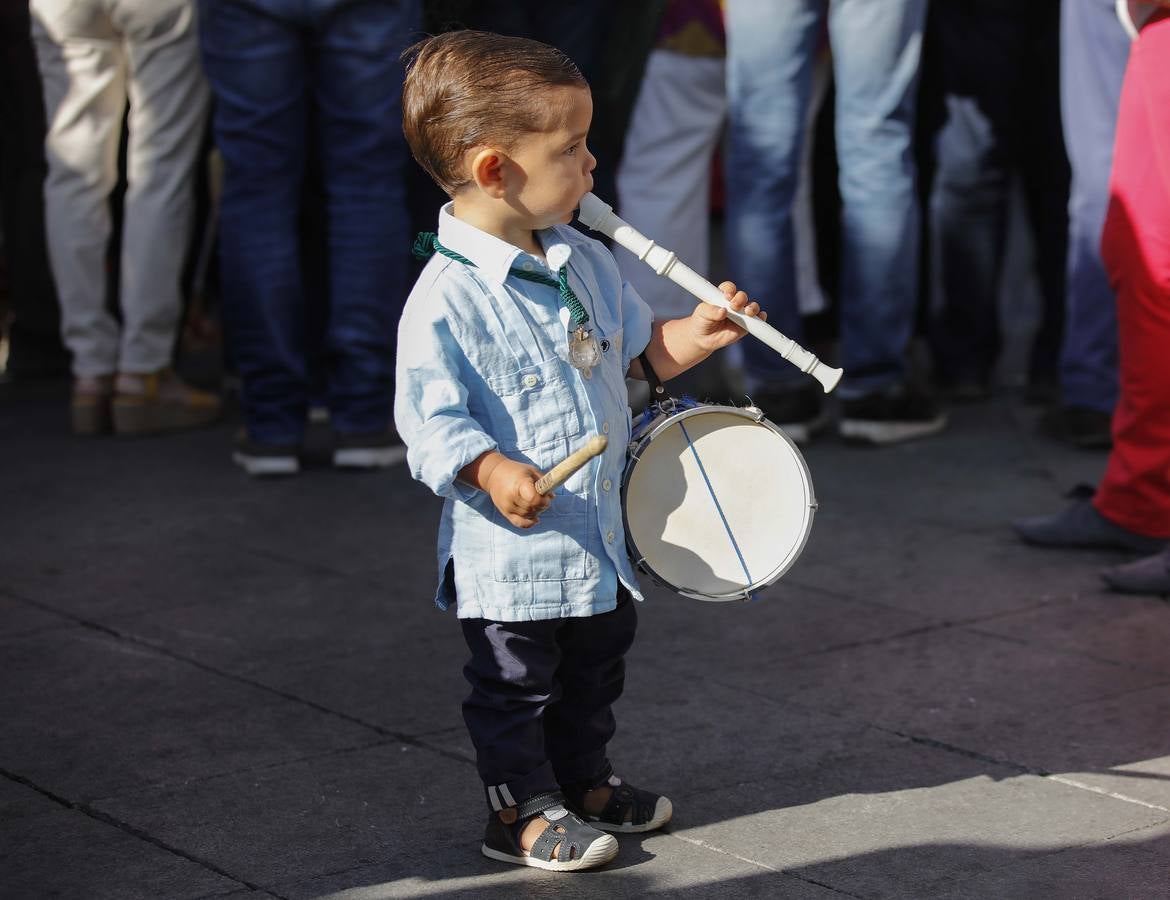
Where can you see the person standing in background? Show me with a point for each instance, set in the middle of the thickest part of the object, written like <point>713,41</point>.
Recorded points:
<point>996,65</point>
<point>1094,49</point>
<point>876,49</point>
<point>1130,508</point>
<point>284,73</point>
<point>666,182</point>
<point>664,177</point>
<point>93,56</point>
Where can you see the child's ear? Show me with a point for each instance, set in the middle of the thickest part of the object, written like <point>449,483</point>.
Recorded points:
<point>489,171</point>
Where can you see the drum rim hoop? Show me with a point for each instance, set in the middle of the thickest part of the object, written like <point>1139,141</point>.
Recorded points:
<point>794,553</point>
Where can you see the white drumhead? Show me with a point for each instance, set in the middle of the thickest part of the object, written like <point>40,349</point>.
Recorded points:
<point>721,514</point>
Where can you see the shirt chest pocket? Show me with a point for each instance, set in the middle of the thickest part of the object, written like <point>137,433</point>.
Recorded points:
<point>531,407</point>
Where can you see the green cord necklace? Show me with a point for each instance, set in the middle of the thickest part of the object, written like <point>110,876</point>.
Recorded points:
<point>584,350</point>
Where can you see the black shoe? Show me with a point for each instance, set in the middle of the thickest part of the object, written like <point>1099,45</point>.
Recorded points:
<point>629,809</point>
<point>1080,426</point>
<point>900,412</point>
<point>368,451</point>
<point>1080,525</point>
<point>799,412</point>
<point>266,460</point>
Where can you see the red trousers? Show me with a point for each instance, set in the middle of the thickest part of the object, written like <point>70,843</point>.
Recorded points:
<point>1135,491</point>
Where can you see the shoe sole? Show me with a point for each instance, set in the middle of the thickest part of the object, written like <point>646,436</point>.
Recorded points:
<point>882,433</point>
<point>267,466</point>
<point>663,810</point>
<point>368,457</point>
<point>601,851</point>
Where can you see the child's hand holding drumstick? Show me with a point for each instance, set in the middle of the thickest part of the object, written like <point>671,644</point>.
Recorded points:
<point>520,491</point>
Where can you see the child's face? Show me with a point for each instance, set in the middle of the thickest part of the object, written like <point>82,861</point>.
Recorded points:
<point>556,164</point>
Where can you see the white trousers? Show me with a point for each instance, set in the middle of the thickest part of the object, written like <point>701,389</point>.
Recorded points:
<point>94,56</point>
<point>664,179</point>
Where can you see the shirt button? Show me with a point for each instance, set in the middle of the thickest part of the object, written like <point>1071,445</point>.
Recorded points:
<point>527,266</point>
<point>606,485</point>
<point>605,427</point>
<point>609,538</point>
<point>531,380</point>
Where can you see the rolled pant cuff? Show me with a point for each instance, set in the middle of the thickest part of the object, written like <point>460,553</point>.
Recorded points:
<point>596,778</point>
<point>502,794</point>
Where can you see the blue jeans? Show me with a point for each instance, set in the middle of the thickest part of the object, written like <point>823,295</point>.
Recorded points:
<point>876,51</point>
<point>1094,51</point>
<point>285,73</point>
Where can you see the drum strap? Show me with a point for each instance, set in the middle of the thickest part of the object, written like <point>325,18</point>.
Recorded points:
<point>657,391</point>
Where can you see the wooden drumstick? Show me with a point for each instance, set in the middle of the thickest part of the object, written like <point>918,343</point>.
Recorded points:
<point>562,471</point>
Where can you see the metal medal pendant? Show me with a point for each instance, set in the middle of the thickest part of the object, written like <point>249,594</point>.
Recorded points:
<point>584,350</point>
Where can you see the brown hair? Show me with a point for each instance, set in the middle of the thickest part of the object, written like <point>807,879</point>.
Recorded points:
<point>469,88</point>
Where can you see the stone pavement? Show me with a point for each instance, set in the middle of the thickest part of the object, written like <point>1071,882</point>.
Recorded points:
<point>220,688</point>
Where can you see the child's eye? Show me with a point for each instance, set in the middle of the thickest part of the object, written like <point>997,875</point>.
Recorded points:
<point>572,151</point>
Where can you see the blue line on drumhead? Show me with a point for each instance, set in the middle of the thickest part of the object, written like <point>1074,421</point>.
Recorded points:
<point>718,508</point>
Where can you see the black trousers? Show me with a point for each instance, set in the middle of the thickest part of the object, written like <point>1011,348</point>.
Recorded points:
<point>540,708</point>
<point>993,67</point>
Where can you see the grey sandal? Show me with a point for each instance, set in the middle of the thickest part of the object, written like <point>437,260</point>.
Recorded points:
<point>581,847</point>
<point>629,809</point>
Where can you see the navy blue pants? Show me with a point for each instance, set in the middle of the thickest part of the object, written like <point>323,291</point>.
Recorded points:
<point>540,708</point>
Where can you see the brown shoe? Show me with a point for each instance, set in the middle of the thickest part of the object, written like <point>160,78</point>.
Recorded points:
<point>160,401</point>
<point>89,407</point>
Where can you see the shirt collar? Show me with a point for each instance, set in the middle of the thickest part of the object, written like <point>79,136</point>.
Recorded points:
<point>492,256</point>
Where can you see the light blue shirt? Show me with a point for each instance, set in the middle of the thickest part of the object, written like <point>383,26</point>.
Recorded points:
<point>483,365</point>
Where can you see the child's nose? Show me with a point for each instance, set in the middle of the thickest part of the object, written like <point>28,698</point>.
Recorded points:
<point>590,160</point>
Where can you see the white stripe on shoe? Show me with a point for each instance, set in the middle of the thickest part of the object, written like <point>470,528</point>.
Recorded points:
<point>259,466</point>
<point>368,457</point>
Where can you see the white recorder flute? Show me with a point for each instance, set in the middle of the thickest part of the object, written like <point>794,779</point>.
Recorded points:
<point>599,216</point>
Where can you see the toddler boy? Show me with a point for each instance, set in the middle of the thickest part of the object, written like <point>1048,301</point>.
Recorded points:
<point>513,350</point>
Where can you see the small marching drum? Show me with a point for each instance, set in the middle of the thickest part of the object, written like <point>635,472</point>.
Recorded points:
<point>717,500</point>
